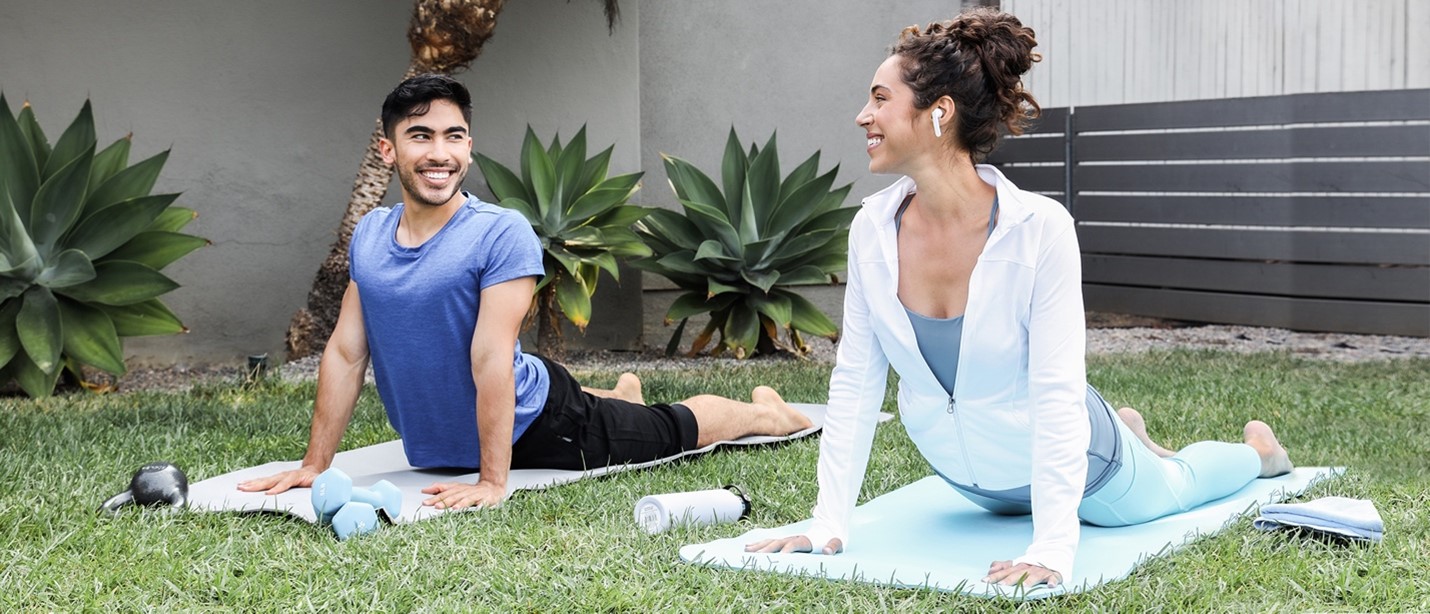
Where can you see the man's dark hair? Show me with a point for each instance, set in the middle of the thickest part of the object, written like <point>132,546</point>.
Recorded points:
<point>414,97</point>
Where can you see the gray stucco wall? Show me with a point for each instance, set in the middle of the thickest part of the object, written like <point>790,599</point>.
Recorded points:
<point>801,68</point>
<point>554,65</point>
<point>268,104</point>
<point>267,107</point>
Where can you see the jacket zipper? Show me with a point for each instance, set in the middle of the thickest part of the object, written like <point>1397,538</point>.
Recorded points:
<point>962,442</point>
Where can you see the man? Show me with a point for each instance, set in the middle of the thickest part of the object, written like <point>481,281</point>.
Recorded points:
<point>440,285</point>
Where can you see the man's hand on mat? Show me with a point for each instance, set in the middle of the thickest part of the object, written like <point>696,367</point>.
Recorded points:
<point>1008,574</point>
<point>301,477</point>
<point>457,495</point>
<point>796,543</point>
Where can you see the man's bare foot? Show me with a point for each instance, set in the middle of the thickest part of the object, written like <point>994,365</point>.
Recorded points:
<point>1138,426</point>
<point>1274,459</point>
<point>628,387</point>
<point>787,419</point>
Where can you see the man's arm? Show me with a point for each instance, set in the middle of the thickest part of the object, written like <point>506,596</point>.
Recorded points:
<point>340,379</point>
<point>503,306</point>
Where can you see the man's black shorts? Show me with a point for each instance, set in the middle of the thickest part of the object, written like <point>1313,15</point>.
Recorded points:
<point>578,430</point>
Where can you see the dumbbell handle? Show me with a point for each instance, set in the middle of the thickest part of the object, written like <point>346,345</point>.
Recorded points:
<point>113,504</point>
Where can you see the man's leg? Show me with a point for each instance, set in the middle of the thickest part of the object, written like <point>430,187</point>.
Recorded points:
<point>628,388</point>
<point>722,419</point>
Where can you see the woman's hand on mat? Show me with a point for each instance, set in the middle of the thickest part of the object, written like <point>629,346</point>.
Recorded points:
<point>301,477</point>
<point>794,543</point>
<point>458,495</point>
<point>1029,575</point>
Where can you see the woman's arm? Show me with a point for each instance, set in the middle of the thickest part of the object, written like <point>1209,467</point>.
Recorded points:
<point>1057,379</point>
<point>856,390</point>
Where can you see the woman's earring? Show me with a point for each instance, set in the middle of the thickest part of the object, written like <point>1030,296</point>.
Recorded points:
<point>937,129</point>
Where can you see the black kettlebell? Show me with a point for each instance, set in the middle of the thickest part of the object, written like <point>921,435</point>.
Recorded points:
<point>157,483</point>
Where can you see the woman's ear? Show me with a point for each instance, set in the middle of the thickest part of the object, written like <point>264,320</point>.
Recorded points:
<point>942,115</point>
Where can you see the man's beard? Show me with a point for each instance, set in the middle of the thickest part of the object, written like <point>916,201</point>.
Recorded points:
<point>412,185</point>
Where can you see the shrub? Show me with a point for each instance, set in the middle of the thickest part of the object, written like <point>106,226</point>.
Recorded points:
<point>581,217</point>
<point>737,253</point>
<point>81,245</point>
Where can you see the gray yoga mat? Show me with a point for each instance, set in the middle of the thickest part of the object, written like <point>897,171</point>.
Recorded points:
<point>386,461</point>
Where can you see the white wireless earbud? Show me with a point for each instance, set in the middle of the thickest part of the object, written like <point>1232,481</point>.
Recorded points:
<point>937,129</point>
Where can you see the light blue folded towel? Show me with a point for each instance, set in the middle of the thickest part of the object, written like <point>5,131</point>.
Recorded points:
<point>1353,518</point>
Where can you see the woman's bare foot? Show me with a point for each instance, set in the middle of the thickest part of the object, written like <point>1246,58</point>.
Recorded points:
<point>787,419</point>
<point>1274,459</point>
<point>1138,426</point>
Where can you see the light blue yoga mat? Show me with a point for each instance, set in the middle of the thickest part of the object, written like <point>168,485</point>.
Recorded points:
<point>925,535</point>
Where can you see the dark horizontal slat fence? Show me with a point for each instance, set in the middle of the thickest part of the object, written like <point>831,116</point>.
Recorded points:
<point>1307,211</point>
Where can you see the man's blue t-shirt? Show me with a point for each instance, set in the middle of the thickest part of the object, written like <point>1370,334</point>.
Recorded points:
<point>420,304</point>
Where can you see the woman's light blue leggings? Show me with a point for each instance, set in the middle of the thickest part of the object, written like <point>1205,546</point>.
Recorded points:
<point>1148,487</point>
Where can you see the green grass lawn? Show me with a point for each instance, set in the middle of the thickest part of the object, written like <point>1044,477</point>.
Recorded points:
<point>576,547</point>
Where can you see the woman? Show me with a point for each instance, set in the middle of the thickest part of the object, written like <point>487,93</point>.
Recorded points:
<point>972,290</point>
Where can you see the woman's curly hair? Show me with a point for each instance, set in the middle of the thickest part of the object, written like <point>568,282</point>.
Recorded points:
<point>977,59</point>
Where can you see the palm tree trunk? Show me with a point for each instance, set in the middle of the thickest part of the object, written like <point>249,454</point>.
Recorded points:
<point>446,36</point>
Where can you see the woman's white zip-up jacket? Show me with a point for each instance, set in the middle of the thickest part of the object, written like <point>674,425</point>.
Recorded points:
<point>1018,414</point>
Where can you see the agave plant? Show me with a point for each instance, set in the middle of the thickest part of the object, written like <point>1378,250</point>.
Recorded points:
<point>580,215</point>
<point>737,253</point>
<point>81,245</point>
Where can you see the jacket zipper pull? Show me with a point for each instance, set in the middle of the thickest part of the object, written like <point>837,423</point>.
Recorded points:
<point>950,405</point>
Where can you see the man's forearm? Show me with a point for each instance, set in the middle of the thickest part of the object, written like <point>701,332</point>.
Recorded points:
<point>496,415</point>
<point>339,384</point>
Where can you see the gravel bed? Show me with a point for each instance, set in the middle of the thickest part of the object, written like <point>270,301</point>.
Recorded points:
<point>1161,336</point>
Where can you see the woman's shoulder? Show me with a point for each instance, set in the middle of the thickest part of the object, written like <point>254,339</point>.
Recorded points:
<point>880,206</point>
<point>1027,205</point>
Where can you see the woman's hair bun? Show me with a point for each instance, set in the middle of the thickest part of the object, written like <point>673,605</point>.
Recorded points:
<point>978,59</point>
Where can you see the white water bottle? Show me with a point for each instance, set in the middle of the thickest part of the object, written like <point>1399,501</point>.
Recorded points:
<point>657,513</point>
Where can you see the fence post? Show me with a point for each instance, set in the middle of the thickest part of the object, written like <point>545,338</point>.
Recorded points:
<point>1068,160</point>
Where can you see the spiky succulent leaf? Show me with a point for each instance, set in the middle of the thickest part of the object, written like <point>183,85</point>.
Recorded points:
<point>744,245</point>
<point>157,249</point>
<point>580,215</point>
<point>39,326</point>
<point>173,219</point>
<point>595,170</point>
<point>131,182</point>
<point>81,243</point>
<point>108,162</point>
<point>89,337</point>
<point>77,141</point>
<point>143,319</point>
<point>121,282</point>
<point>68,268</point>
<point>59,202</point>
<point>741,332</point>
<point>111,227</point>
<point>35,381</point>
<point>575,302</point>
<point>9,335</point>
<point>18,257</point>
<point>30,127</point>
<point>19,174</point>
<point>503,183</point>
<point>774,306</point>
<point>808,318</point>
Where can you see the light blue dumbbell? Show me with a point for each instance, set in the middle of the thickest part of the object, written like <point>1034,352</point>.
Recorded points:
<point>333,489</point>
<point>355,518</point>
